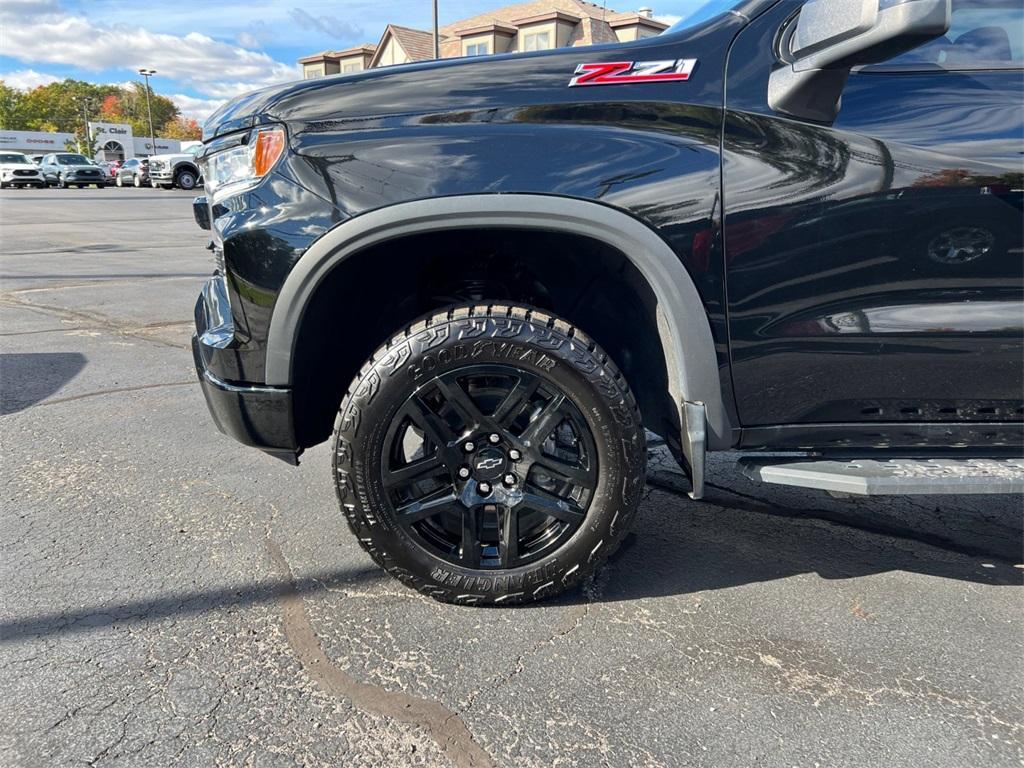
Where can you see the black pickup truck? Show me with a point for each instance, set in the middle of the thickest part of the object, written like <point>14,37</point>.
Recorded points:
<point>780,227</point>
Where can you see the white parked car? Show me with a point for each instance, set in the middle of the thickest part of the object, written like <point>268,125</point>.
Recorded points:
<point>176,170</point>
<point>16,170</point>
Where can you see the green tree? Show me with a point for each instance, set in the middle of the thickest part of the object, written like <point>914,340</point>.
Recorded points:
<point>11,112</point>
<point>133,106</point>
<point>65,106</point>
<point>61,104</point>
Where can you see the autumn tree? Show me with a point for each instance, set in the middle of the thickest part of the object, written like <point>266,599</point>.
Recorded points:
<point>133,104</point>
<point>62,104</point>
<point>183,129</point>
<point>65,106</point>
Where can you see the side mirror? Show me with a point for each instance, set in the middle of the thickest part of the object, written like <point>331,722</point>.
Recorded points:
<point>830,37</point>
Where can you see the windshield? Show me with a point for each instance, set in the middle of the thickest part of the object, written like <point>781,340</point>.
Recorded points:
<point>13,157</point>
<point>702,11</point>
<point>72,160</point>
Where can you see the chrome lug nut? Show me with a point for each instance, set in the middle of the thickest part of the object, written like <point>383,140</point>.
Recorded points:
<point>464,472</point>
<point>484,488</point>
<point>469,447</point>
<point>495,438</point>
<point>509,479</point>
<point>515,455</point>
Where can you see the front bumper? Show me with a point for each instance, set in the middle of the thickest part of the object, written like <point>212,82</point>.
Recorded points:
<point>84,178</point>
<point>253,414</point>
<point>9,177</point>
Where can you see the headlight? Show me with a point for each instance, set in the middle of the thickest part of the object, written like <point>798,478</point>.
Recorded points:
<point>230,171</point>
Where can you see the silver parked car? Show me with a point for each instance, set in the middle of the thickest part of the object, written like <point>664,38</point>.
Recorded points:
<point>69,169</point>
<point>133,172</point>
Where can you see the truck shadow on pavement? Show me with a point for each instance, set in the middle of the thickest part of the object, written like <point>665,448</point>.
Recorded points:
<point>730,539</point>
<point>179,604</point>
<point>30,377</point>
<point>678,547</point>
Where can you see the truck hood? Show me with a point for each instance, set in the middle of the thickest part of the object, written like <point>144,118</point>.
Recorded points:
<point>171,158</point>
<point>453,85</point>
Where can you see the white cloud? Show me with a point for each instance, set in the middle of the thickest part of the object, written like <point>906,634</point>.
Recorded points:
<point>27,79</point>
<point>197,109</point>
<point>209,67</point>
<point>255,35</point>
<point>331,26</point>
<point>248,40</point>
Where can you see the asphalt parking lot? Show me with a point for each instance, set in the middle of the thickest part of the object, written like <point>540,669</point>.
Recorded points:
<point>170,598</point>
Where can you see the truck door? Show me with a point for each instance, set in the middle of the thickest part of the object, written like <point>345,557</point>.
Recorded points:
<point>874,264</point>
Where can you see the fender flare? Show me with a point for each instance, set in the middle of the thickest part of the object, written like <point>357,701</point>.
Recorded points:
<point>683,326</point>
<point>186,165</point>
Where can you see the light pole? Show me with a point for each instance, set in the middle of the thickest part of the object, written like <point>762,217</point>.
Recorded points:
<point>147,73</point>
<point>437,41</point>
<point>85,103</point>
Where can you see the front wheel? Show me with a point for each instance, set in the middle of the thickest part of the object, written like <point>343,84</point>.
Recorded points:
<point>489,455</point>
<point>186,180</point>
<point>118,182</point>
<point>137,181</point>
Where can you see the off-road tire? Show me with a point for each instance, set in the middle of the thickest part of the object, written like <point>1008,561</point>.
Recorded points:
<point>496,334</point>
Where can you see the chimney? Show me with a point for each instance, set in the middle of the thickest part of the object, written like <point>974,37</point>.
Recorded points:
<point>646,12</point>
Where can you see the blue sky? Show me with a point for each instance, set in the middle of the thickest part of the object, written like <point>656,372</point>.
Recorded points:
<point>206,52</point>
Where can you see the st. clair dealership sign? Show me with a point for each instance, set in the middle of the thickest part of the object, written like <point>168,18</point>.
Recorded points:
<point>112,139</point>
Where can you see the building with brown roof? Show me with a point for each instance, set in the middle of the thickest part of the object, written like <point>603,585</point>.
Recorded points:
<point>338,62</point>
<point>530,26</point>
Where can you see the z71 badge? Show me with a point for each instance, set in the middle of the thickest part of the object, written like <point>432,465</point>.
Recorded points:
<point>623,72</point>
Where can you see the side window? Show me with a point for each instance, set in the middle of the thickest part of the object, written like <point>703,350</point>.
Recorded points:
<point>536,41</point>
<point>983,34</point>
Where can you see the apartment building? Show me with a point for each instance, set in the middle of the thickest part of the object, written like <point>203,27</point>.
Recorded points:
<point>532,26</point>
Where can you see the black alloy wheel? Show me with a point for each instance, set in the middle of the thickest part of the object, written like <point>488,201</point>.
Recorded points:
<point>489,455</point>
<point>489,467</point>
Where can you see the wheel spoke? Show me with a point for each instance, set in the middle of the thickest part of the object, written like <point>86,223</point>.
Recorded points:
<point>508,544</point>
<point>432,425</point>
<point>562,509</point>
<point>463,404</point>
<point>429,505</point>
<point>514,402</point>
<point>469,549</point>
<point>545,422</point>
<point>410,473</point>
<point>560,470</point>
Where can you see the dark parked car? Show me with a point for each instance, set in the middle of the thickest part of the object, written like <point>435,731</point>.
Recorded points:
<point>68,169</point>
<point>781,226</point>
<point>133,172</point>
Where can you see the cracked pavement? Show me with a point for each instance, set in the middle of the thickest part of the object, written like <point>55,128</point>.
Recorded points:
<point>168,597</point>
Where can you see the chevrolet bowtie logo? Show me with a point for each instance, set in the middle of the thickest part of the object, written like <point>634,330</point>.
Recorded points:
<point>485,464</point>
